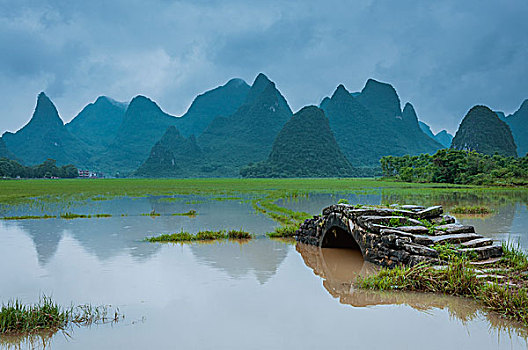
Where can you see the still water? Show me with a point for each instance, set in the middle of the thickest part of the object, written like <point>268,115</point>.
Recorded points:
<point>263,294</point>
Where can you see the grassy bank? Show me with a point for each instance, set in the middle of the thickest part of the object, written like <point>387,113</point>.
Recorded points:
<point>201,236</point>
<point>501,287</point>
<point>46,315</point>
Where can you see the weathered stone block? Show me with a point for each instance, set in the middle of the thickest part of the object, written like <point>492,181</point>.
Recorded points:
<point>453,228</point>
<point>430,212</point>
<point>418,249</point>
<point>455,238</point>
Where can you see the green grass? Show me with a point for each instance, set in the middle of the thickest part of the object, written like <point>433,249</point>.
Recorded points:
<point>514,257</point>
<point>152,213</point>
<point>17,318</point>
<point>28,217</point>
<point>200,236</point>
<point>70,216</point>
<point>191,213</point>
<point>238,234</point>
<point>13,191</point>
<point>283,231</point>
<point>460,279</point>
<point>102,215</point>
<point>472,210</point>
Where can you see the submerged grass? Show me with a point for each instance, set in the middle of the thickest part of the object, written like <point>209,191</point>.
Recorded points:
<point>200,236</point>
<point>152,213</point>
<point>28,217</point>
<point>74,216</point>
<point>507,296</point>
<point>191,213</point>
<point>472,210</point>
<point>46,315</point>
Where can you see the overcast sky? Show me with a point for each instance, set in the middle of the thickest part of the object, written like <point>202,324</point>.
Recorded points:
<point>442,56</point>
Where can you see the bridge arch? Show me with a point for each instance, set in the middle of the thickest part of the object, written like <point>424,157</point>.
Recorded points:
<point>337,234</point>
<point>337,237</point>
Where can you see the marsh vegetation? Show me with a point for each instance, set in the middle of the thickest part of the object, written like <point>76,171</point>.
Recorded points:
<point>46,315</point>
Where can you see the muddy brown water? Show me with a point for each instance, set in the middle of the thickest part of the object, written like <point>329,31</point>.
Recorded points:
<point>262,294</point>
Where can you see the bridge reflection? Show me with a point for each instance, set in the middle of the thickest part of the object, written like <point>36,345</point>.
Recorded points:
<point>340,268</point>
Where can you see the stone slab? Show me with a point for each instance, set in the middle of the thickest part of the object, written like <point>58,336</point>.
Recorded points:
<point>430,212</point>
<point>455,238</point>
<point>478,242</point>
<point>483,253</point>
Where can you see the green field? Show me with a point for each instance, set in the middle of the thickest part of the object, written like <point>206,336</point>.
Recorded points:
<point>13,191</point>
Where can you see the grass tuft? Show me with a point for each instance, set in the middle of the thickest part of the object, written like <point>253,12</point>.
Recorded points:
<point>191,213</point>
<point>514,257</point>
<point>200,236</point>
<point>283,231</point>
<point>238,234</point>
<point>17,318</point>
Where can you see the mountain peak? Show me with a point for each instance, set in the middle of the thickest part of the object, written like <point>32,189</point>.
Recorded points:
<point>341,92</point>
<point>409,112</point>
<point>236,82</point>
<point>481,130</point>
<point>260,84</point>
<point>379,88</point>
<point>262,79</point>
<point>381,99</point>
<point>45,112</point>
<point>524,106</point>
<point>141,102</point>
<point>409,105</point>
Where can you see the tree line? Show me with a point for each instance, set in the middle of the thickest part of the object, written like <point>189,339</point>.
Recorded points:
<point>457,167</point>
<point>48,169</point>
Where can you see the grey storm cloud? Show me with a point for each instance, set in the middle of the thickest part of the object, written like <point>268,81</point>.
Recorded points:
<point>442,56</point>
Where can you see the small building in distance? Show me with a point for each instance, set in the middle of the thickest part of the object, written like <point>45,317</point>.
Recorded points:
<point>88,174</point>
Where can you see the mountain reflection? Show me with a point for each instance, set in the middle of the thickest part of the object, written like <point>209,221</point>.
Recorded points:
<point>259,256</point>
<point>105,238</point>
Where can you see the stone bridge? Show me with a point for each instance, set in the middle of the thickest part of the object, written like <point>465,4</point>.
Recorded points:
<point>395,235</point>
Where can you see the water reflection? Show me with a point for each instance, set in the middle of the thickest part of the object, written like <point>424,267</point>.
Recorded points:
<point>110,237</point>
<point>340,268</point>
<point>259,256</point>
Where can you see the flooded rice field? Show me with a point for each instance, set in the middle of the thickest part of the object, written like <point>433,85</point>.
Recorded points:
<point>259,294</point>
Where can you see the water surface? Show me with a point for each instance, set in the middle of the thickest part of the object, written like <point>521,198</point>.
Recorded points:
<point>227,295</point>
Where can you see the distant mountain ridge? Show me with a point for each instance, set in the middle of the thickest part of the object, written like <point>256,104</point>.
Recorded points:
<point>443,137</point>
<point>248,134</point>
<point>233,125</point>
<point>518,123</point>
<point>367,130</point>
